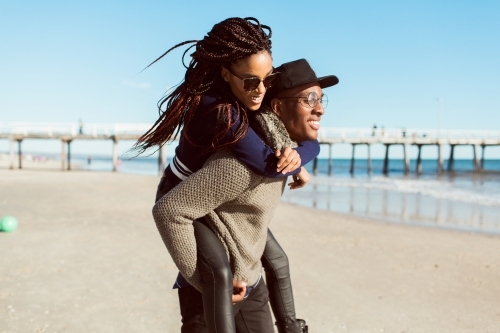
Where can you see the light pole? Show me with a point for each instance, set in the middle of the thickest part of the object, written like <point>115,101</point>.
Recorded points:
<point>440,113</point>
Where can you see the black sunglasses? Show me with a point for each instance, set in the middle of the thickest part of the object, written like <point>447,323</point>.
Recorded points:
<point>311,99</point>
<point>252,83</point>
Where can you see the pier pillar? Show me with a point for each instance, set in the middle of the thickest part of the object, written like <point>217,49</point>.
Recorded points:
<point>369,162</point>
<point>330,160</point>
<point>407,158</point>
<point>440,158</point>
<point>419,160</point>
<point>162,160</point>
<point>115,153</point>
<point>351,169</point>
<point>315,166</point>
<point>11,166</point>
<point>20,153</point>
<point>69,155</point>
<point>483,147</point>
<point>386,159</point>
<point>451,160</point>
<point>477,162</point>
<point>63,155</point>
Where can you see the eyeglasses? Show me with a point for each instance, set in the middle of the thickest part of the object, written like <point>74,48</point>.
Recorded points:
<point>311,100</point>
<point>252,83</point>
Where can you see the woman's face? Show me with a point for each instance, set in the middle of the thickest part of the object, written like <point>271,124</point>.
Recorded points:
<point>258,65</point>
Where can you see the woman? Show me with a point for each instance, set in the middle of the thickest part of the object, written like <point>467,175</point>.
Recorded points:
<point>227,77</point>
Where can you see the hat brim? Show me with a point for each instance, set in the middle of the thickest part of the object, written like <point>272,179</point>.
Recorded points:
<point>328,81</point>
<point>324,82</point>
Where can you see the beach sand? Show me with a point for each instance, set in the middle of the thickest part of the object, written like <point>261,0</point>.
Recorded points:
<point>87,258</point>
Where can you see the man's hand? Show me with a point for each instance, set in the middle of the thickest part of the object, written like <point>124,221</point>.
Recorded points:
<point>288,160</point>
<point>300,180</point>
<point>239,291</point>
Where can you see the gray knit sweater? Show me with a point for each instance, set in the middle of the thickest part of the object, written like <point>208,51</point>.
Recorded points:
<point>237,204</point>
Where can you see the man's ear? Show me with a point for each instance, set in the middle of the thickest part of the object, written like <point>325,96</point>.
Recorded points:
<point>276,106</point>
<point>224,73</point>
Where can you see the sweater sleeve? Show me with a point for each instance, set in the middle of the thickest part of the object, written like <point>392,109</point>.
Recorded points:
<point>222,179</point>
<point>260,158</point>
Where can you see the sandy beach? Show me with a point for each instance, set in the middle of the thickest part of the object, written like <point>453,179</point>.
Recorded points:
<point>87,258</point>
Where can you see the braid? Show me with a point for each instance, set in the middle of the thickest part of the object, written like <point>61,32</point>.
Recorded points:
<point>227,42</point>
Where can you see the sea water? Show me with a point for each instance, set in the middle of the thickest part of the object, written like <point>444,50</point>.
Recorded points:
<point>461,199</point>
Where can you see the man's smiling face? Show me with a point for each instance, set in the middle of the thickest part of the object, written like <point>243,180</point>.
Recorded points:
<point>300,119</point>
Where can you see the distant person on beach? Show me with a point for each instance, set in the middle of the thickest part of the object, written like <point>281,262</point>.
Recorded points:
<point>226,80</point>
<point>80,126</point>
<point>299,104</point>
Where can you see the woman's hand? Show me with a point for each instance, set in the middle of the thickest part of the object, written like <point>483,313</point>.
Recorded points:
<point>288,160</point>
<point>239,291</point>
<point>300,180</point>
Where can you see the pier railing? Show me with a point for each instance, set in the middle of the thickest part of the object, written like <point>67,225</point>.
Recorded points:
<point>381,134</point>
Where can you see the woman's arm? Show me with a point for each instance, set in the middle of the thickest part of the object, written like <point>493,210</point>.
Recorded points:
<point>261,159</point>
<point>251,150</point>
<point>267,134</point>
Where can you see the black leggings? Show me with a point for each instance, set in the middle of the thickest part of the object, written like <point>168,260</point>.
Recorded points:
<point>217,278</point>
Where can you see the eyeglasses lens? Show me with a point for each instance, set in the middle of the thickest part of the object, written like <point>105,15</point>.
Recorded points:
<point>324,101</point>
<point>270,80</point>
<point>312,100</point>
<point>252,83</point>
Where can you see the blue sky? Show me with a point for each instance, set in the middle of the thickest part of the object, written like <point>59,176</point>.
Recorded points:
<point>66,60</point>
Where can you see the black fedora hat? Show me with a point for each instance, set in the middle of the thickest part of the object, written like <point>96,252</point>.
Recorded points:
<point>297,73</point>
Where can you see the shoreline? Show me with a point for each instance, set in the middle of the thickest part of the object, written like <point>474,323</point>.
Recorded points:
<point>340,165</point>
<point>359,195</point>
<point>409,223</point>
<point>87,258</point>
<point>35,162</point>
<point>376,197</point>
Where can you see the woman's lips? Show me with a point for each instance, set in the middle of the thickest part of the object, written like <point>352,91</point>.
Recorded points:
<point>314,124</point>
<point>256,99</point>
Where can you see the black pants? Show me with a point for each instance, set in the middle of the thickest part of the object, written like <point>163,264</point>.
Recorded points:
<point>252,315</point>
<point>217,279</point>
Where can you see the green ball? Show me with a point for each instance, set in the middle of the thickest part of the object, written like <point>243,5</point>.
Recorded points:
<point>8,224</point>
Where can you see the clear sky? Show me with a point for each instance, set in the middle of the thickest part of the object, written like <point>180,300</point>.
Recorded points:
<point>66,60</point>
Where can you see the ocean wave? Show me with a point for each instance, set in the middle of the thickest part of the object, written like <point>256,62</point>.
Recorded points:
<point>468,192</point>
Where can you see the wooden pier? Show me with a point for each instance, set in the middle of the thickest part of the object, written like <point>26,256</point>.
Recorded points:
<point>66,133</point>
<point>69,132</point>
<point>478,140</point>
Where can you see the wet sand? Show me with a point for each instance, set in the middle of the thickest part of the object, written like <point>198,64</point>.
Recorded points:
<point>87,258</point>
<point>422,202</point>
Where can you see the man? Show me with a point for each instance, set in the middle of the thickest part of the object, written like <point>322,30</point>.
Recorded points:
<point>238,205</point>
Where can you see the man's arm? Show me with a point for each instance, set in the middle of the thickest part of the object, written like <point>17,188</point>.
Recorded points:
<point>222,179</point>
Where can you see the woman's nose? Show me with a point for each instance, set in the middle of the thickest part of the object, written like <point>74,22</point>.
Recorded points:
<point>261,89</point>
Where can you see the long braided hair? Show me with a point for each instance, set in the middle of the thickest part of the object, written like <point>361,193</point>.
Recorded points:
<point>227,42</point>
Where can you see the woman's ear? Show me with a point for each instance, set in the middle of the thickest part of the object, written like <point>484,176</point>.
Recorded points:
<point>224,73</point>
<point>276,106</point>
